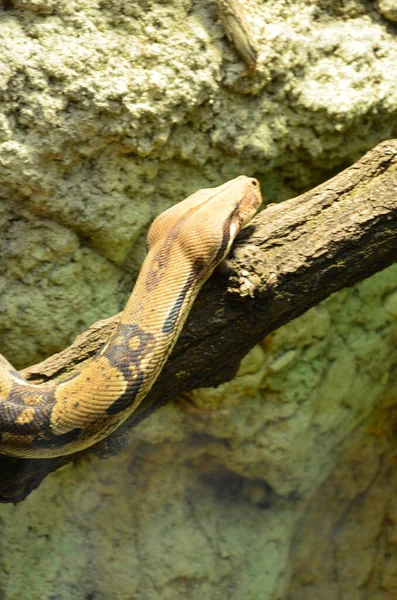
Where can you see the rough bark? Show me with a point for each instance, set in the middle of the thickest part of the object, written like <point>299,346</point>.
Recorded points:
<point>292,256</point>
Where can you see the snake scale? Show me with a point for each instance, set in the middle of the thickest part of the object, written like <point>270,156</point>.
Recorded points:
<point>185,243</point>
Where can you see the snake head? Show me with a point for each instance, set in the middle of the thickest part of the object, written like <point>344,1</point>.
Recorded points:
<point>204,225</point>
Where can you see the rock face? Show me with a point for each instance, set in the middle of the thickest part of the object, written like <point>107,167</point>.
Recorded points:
<point>279,484</point>
<point>388,8</point>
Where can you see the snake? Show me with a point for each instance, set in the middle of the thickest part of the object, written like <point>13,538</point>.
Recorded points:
<point>184,245</point>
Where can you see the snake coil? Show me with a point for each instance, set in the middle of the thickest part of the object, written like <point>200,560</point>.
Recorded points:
<point>185,243</point>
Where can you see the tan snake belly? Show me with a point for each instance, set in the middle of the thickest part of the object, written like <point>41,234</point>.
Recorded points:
<point>185,244</point>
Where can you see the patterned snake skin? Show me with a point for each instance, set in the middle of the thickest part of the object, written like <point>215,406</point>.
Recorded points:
<point>185,243</point>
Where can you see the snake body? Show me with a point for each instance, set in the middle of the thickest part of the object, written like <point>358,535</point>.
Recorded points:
<point>185,243</point>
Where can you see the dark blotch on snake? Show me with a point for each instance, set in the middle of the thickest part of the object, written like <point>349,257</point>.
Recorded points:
<point>57,441</point>
<point>173,315</point>
<point>125,400</point>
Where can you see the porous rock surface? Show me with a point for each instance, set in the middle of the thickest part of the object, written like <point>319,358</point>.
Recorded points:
<point>280,484</point>
<point>388,8</point>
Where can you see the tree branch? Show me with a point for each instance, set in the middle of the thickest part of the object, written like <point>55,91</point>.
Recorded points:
<point>292,256</point>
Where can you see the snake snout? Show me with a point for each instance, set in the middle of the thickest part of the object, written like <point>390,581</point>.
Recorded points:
<point>250,202</point>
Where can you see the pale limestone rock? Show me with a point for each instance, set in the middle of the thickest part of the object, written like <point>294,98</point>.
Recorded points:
<point>388,8</point>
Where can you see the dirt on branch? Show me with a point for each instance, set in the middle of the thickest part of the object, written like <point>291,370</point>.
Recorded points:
<point>291,257</point>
